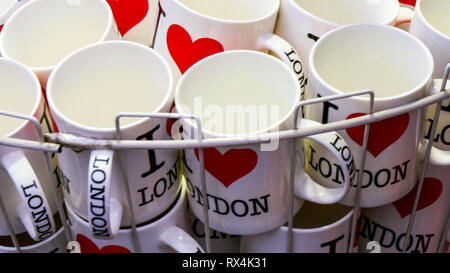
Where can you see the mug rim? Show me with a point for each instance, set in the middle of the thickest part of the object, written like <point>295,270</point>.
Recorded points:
<point>403,95</point>
<point>39,244</point>
<point>321,228</point>
<point>212,134</point>
<point>37,95</point>
<point>425,21</point>
<point>18,12</point>
<point>221,20</point>
<point>120,44</point>
<point>325,21</point>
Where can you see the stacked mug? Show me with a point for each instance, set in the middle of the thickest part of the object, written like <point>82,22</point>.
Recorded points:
<point>242,69</point>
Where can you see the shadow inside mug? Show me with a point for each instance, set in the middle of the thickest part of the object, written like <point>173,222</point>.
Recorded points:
<point>312,215</point>
<point>24,239</point>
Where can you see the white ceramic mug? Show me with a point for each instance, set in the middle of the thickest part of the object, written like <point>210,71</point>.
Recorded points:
<point>7,8</point>
<point>189,30</point>
<point>55,28</point>
<point>136,20</point>
<point>366,62</point>
<point>247,184</point>
<point>26,184</point>
<point>106,79</point>
<point>303,22</point>
<point>431,24</point>
<point>164,235</point>
<point>316,229</point>
<point>220,242</point>
<point>388,224</point>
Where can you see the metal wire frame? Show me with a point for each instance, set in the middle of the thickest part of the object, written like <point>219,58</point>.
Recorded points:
<point>55,141</point>
<point>45,150</point>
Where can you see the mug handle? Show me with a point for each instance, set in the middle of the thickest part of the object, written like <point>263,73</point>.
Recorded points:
<point>104,211</point>
<point>405,15</point>
<point>306,188</point>
<point>34,211</point>
<point>284,51</point>
<point>179,240</point>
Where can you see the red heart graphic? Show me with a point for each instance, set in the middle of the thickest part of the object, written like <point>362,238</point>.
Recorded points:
<point>431,190</point>
<point>408,2</point>
<point>87,246</point>
<point>231,166</point>
<point>1,27</point>
<point>184,52</point>
<point>128,13</point>
<point>382,133</point>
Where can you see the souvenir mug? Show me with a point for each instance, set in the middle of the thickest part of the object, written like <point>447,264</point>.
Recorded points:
<point>431,24</point>
<point>317,229</point>
<point>303,22</point>
<point>55,28</point>
<point>164,234</point>
<point>244,93</point>
<point>366,62</point>
<point>26,183</point>
<point>190,30</point>
<point>136,20</point>
<point>106,79</point>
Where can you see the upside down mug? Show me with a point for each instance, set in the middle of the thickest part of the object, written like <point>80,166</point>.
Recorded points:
<point>106,79</point>
<point>244,93</point>
<point>366,62</point>
<point>190,30</point>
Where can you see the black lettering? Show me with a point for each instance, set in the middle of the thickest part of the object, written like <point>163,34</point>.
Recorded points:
<point>235,210</point>
<point>37,204</point>
<point>332,244</point>
<point>98,176</point>
<point>326,106</point>
<point>154,166</point>
<point>421,243</point>
<point>398,170</point>
<point>144,200</point>
<point>24,189</point>
<point>387,178</point>
<point>257,204</point>
<point>326,174</point>
<point>162,182</point>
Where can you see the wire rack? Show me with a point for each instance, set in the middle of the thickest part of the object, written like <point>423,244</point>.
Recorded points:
<point>53,143</point>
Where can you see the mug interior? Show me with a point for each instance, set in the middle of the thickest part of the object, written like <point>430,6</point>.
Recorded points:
<point>92,85</point>
<point>352,11</point>
<point>384,59</point>
<point>240,10</point>
<point>42,32</point>
<point>20,93</point>
<point>238,92</point>
<point>436,12</point>
<point>312,215</point>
